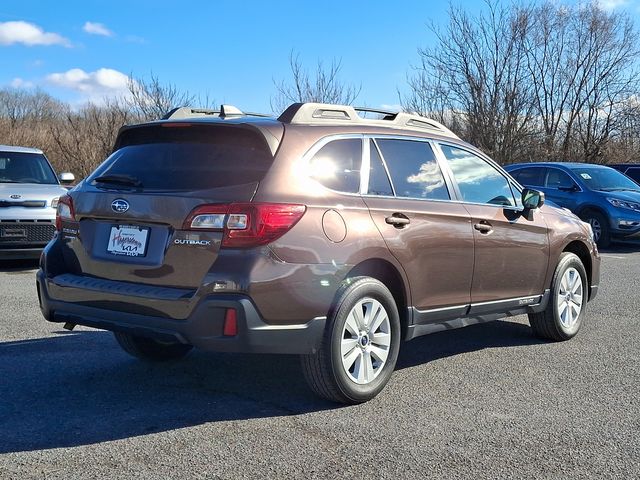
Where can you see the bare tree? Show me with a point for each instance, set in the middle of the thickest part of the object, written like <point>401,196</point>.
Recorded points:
<point>323,87</point>
<point>581,60</point>
<point>473,79</point>
<point>84,138</point>
<point>151,99</point>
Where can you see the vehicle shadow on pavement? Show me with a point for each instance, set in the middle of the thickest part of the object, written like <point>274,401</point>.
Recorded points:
<point>79,388</point>
<point>10,266</point>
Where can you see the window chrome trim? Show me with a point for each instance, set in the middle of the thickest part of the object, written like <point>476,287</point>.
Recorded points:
<point>483,304</point>
<point>384,165</point>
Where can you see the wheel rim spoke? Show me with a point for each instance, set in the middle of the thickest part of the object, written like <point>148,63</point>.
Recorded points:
<point>350,357</point>
<point>368,366</point>
<point>352,326</point>
<point>357,313</point>
<point>381,338</point>
<point>379,353</point>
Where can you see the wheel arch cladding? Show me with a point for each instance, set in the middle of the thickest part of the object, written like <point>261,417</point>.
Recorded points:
<point>582,251</point>
<point>390,277</point>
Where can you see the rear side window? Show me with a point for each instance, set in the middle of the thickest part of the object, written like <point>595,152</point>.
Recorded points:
<point>414,171</point>
<point>189,157</point>
<point>531,176</point>
<point>478,181</point>
<point>337,165</point>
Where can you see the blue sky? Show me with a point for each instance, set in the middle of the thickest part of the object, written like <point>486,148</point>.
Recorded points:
<point>231,51</point>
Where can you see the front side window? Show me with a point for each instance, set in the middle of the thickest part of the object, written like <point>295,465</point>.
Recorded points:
<point>337,165</point>
<point>414,171</point>
<point>478,180</point>
<point>559,179</point>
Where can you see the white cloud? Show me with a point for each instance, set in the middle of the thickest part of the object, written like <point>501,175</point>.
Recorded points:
<point>20,83</point>
<point>92,86</point>
<point>95,28</point>
<point>28,34</point>
<point>612,4</point>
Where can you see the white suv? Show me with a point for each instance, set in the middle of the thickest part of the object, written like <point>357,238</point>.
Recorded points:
<point>29,192</point>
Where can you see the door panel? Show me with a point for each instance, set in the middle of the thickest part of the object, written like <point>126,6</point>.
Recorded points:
<point>511,254</point>
<point>435,247</point>
<point>511,250</point>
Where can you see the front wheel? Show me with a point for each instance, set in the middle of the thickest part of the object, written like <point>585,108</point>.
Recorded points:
<point>361,344</point>
<point>565,311</point>
<point>600,227</point>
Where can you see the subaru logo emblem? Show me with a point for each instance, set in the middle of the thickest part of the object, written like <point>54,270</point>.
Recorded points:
<point>15,197</point>
<point>119,205</point>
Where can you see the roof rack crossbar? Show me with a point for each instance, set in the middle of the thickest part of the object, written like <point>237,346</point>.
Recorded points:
<point>321,113</point>
<point>225,111</point>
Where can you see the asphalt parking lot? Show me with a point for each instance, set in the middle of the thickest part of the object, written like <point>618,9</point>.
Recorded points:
<point>488,401</point>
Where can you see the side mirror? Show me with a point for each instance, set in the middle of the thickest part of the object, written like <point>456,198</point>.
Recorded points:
<point>532,199</point>
<point>67,178</point>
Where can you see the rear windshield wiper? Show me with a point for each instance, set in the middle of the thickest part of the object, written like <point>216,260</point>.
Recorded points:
<point>127,180</point>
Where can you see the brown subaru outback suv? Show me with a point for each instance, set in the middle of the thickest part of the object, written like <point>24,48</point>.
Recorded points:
<point>321,233</point>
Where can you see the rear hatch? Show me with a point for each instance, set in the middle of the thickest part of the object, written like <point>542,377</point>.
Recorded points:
<point>130,218</point>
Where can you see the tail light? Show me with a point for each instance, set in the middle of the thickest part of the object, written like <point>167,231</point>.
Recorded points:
<point>246,225</point>
<point>64,212</point>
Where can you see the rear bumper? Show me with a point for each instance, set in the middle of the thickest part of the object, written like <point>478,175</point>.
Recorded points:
<point>203,328</point>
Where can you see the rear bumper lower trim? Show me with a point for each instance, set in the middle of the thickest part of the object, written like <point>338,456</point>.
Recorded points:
<point>203,328</point>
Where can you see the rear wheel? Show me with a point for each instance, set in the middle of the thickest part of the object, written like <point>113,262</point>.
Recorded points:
<point>565,311</point>
<point>360,347</point>
<point>150,349</point>
<point>600,226</point>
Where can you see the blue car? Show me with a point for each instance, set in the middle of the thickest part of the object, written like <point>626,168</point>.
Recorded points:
<point>599,195</point>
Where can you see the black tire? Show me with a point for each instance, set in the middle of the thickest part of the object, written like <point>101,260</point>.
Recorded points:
<point>150,349</point>
<point>600,226</point>
<point>550,324</point>
<point>324,370</point>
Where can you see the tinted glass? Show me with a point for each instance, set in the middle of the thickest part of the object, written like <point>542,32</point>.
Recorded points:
<point>559,179</point>
<point>337,165</point>
<point>195,157</point>
<point>479,181</point>
<point>379,183</point>
<point>531,176</point>
<point>414,170</point>
<point>18,167</point>
<point>634,173</point>
<point>605,179</point>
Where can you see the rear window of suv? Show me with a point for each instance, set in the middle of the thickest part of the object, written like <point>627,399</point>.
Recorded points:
<point>188,156</point>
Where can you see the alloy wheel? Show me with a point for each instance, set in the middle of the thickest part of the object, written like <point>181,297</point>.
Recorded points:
<point>366,339</point>
<point>570,298</point>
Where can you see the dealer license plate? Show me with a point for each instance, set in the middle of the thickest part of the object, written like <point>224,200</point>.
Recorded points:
<point>128,240</point>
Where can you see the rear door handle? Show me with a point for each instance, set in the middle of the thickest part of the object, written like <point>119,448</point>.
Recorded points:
<point>398,220</point>
<point>483,227</point>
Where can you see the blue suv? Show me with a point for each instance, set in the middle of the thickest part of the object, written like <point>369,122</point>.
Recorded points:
<point>605,198</point>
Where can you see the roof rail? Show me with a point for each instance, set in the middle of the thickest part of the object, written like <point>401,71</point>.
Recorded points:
<point>225,111</point>
<point>328,114</point>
